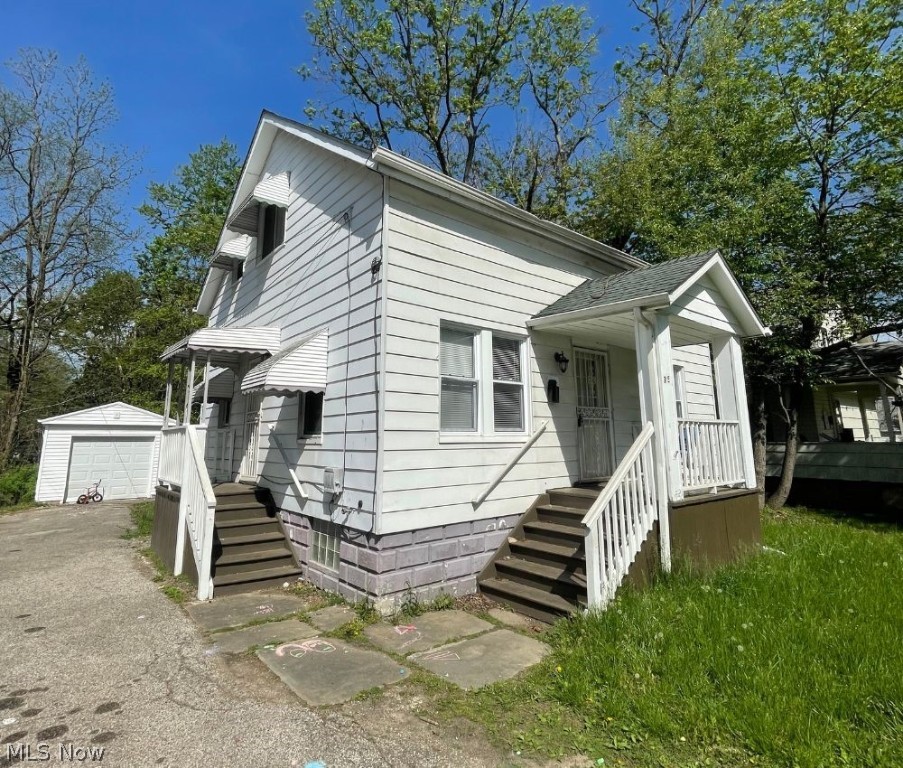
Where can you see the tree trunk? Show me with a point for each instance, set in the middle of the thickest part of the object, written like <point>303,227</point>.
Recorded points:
<point>791,448</point>
<point>14,404</point>
<point>759,421</point>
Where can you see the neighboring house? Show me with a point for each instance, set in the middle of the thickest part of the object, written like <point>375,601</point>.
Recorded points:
<point>851,429</point>
<point>116,444</point>
<point>412,377</point>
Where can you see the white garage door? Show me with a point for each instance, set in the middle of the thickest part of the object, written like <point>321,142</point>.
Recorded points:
<point>123,466</point>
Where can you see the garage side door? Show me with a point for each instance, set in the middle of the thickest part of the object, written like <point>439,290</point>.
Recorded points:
<point>123,465</point>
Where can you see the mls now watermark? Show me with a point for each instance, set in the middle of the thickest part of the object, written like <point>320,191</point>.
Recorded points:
<point>42,752</point>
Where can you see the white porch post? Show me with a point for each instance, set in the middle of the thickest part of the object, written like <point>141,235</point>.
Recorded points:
<point>189,385</point>
<point>888,414</point>
<point>668,399</point>
<point>727,357</point>
<point>650,410</point>
<point>167,400</point>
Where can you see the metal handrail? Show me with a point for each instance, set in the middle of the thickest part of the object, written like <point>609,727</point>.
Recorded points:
<point>480,498</point>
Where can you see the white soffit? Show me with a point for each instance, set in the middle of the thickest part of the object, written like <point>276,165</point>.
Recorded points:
<point>299,368</point>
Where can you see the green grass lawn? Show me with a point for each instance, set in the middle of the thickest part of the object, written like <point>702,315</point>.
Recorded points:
<point>791,658</point>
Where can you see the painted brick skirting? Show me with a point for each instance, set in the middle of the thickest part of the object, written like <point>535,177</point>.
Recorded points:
<point>427,562</point>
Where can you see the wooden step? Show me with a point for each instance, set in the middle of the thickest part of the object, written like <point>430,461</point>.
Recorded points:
<point>242,510</point>
<point>579,498</point>
<point>245,526</point>
<point>529,600</point>
<point>545,552</point>
<point>240,562</point>
<point>250,581</point>
<point>554,533</point>
<point>251,542</point>
<point>236,493</point>
<point>555,578</point>
<point>554,513</point>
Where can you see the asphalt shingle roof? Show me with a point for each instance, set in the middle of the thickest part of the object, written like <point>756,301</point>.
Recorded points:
<point>882,357</point>
<point>630,285</point>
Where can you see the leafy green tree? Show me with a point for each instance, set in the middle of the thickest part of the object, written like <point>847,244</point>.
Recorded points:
<point>60,224</point>
<point>427,78</point>
<point>770,131</point>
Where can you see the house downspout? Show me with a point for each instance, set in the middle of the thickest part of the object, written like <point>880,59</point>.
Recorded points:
<point>381,309</point>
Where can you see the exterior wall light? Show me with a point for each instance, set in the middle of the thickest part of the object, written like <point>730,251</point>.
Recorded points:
<point>562,361</point>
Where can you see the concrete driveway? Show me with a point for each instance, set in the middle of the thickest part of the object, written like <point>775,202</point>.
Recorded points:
<point>92,654</point>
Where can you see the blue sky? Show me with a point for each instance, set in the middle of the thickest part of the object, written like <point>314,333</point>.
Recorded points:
<point>191,72</point>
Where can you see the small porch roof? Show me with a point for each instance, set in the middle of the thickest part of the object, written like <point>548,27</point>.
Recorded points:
<point>299,368</point>
<point>224,345</point>
<point>659,286</point>
<point>220,385</point>
<point>273,190</point>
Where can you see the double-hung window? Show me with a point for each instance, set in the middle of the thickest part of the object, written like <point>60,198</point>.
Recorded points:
<point>483,382</point>
<point>459,406</point>
<point>273,228</point>
<point>507,384</point>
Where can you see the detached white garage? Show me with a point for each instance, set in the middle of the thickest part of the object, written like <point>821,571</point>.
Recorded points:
<point>118,444</point>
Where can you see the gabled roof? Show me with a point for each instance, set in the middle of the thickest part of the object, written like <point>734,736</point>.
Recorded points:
<point>394,165</point>
<point>656,286</point>
<point>114,414</point>
<point>854,363</point>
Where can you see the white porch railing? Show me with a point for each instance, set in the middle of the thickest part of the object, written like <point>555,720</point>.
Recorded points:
<point>710,453</point>
<point>172,447</point>
<point>620,520</point>
<point>182,465</point>
<point>218,450</point>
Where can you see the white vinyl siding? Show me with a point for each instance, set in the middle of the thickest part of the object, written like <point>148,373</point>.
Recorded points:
<point>319,279</point>
<point>695,361</point>
<point>452,267</point>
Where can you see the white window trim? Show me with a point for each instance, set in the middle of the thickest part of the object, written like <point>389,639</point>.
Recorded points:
<point>485,431</point>
<point>680,390</point>
<point>478,379</point>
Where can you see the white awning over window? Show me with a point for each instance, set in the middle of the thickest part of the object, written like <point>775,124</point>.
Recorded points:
<point>299,368</point>
<point>226,344</point>
<point>239,248</point>
<point>272,190</point>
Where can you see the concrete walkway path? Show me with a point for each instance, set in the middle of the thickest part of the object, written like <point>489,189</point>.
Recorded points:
<point>93,654</point>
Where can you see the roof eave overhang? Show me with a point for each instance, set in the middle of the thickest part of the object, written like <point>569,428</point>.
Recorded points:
<point>653,301</point>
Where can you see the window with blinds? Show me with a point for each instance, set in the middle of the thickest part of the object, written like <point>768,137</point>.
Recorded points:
<point>507,385</point>
<point>460,380</point>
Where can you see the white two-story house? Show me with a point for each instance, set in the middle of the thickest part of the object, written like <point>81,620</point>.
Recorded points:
<point>406,384</point>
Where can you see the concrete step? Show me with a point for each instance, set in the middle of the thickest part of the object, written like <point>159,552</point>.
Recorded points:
<point>579,498</point>
<point>555,578</point>
<point>528,600</point>
<point>554,533</point>
<point>250,581</point>
<point>242,562</point>
<point>555,513</point>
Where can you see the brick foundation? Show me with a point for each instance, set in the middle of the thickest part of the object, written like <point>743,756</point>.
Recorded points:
<point>384,569</point>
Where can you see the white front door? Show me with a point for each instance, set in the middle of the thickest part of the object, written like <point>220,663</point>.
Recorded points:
<point>594,426</point>
<point>248,470</point>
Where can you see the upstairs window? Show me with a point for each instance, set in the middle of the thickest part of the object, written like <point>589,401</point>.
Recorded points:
<point>459,397</point>
<point>507,385</point>
<point>273,228</point>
